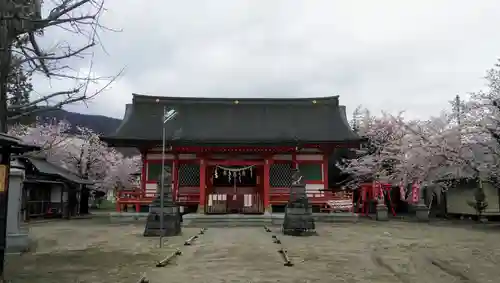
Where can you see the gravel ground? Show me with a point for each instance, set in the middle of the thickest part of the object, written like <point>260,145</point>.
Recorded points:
<point>88,251</point>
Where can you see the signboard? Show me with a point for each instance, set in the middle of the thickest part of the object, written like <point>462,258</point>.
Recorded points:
<point>3,178</point>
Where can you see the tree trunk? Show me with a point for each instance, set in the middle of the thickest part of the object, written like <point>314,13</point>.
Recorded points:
<point>72,201</point>
<point>84,200</point>
<point>5,60</point>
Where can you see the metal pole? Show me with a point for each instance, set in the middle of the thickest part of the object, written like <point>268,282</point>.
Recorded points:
<point>162,181</point>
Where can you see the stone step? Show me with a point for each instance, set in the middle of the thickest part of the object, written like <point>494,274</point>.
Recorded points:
<point>335,217</point>
<point>241,220</point>
<point>230,220</point>
<point>226,224</point>
<point>204,220</point>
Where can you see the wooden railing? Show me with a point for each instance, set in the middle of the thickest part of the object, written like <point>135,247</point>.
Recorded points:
<point>136,198</point>
<point>188,195</point>
<point>185,196</point>
<point>191,196</point>
<point>282,196</point>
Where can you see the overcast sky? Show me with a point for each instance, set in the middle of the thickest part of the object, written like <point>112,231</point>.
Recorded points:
<point>386,55</point>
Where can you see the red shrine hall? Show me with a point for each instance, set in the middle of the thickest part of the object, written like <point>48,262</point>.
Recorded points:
<point>234,155</point>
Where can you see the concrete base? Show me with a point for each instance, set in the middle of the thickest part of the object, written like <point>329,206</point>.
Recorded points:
<point>117,217</point>
<point>18,243</point>
<point>227,220</point>
<point>268,219</point>
<point>382,213</point>
<point>201,209</point>
<point>268,209</point>
<point>422,212</point>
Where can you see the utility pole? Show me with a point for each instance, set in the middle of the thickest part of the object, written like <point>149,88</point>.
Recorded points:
<point>458,116</point>
<point>167,116</point>
<point>458,111</point>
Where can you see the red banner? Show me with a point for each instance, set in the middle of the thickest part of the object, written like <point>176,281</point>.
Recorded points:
<point>415,192</point>
<point>402,191</point>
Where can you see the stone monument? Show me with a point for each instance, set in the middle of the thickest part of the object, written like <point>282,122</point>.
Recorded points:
<point>17,238</point>
<point>421,210</point>
<point>171,213</point>
<point>298,213</point>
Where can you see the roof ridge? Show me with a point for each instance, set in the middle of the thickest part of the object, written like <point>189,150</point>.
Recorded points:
<point>234,100</point>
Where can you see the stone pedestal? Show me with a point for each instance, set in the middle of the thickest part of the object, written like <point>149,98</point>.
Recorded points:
<point>298,218</point>
<point>17,239</point>
<point>170,211</point>
<point>268,209</point>
<point>382,213</point>
<point>201,209</point>
<point>422,212</point>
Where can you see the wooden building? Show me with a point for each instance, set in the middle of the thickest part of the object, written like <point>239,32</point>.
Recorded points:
<point>49,190</point>
<point>231,155</point>
<point>461,183</point>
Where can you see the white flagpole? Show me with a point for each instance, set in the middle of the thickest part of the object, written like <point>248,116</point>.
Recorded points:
<point>162,181</point>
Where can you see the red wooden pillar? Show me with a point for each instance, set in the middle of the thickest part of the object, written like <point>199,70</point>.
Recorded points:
<point>203,185</point>
<point>266,184</point>
<point>143,170</point>
<point>294,161</point>
<point>325,170</point>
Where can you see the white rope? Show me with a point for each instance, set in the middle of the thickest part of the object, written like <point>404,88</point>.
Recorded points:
<point>235,169</point>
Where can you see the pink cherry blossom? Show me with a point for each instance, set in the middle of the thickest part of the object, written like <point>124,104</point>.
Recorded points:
<point>81,152</point>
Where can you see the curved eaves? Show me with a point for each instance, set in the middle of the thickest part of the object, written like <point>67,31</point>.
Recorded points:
<point>129,109</point>
<point>342,113</point>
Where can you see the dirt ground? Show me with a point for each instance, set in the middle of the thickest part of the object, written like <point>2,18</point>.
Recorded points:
<point>89,251</point>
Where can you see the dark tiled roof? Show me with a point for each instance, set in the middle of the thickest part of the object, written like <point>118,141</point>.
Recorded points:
<point>16,144</point>
<point>45,167</point>
<point>235,120</point>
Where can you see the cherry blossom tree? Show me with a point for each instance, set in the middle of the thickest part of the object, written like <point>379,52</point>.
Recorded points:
<point>425,147</point>
<point>375,159</point>
<point>481,119</point>
<point>82,153</point>
<point>51,136</point>
<point>459,144</point>
<point>121,172</point>
<point>93,159</point>
<point>400,151</point>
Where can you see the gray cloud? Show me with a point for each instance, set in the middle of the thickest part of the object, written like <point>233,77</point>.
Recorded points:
<point>392,55</point>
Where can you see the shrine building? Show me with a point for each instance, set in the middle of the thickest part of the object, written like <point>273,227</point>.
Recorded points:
<point>231,155</point>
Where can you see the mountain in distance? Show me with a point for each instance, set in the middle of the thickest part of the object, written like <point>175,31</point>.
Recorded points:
<point>100,124</point>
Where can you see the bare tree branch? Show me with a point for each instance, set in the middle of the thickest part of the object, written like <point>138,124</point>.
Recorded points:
<point>23,27</point>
